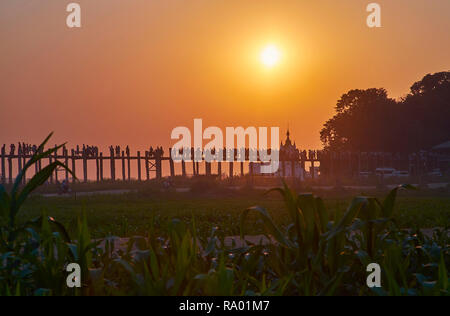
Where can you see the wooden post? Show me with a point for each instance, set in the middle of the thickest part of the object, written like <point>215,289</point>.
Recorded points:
<point>113,167</point>
<point>242,168</point>
<point>66,162</point>
<point>183,168</point>
<point>231,169</point>
<point>85,168</point>
<point>97,168</point>
<point>139,166</point>
<point>158,166</point>
<point>219,168</point>
<point>101,167</point>
<point>172,165</point>
<point>3,165</point>
<point>207,168</point>
<point>24,181</point>
<point>73,166</point>
<point>123,166</point>
<point>19,159</point>
<point>197,167</point>
<point>129,165</point>
<point>232,162</point>
<point>313,171</point>
<point>147,166</point>
<point>193,161</point>
<point>10,169</point>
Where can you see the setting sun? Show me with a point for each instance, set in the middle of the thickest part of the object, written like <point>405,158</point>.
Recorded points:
<point>270,56</point>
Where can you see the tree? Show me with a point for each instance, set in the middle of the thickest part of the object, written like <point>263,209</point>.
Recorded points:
<point>427,111</point>
<point>360,122</point>
<point>368,120</point>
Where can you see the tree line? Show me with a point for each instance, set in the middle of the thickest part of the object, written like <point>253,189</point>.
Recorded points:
<point>368,120</point>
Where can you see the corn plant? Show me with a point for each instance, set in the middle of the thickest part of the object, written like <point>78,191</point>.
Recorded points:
<point>321,248</point>
<point>27,248</point>
<point>11,203</point>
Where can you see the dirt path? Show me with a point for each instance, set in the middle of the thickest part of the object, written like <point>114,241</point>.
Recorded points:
<point>75,194</point>
<point>230,242</point>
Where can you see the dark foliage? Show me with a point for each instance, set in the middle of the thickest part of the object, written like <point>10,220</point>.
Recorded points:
<point>368,120</point>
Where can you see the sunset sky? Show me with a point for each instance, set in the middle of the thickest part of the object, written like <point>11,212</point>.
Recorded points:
<point>139,68</point>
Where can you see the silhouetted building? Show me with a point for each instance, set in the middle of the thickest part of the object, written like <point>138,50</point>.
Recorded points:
<point>290,165</point>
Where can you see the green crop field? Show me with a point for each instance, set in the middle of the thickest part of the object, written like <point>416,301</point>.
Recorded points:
<point>130,214</point>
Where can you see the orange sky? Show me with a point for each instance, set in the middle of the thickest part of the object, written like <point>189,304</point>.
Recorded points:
<point>138,68</point>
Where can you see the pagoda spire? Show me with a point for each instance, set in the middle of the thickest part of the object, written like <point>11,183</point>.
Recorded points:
<point>288,140</point>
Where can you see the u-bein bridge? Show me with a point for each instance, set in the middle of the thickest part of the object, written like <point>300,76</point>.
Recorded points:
<point>149,164</point>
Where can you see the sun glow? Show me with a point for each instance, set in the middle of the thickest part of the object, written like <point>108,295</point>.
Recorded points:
<point>270,56</point>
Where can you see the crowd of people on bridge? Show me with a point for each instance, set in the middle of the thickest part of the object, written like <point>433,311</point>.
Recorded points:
<point>23,149</point>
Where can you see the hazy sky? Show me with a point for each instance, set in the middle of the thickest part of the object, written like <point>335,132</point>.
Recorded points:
<point>138,68</point>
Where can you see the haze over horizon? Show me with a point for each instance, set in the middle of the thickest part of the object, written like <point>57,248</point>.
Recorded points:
<point>138,68</point>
